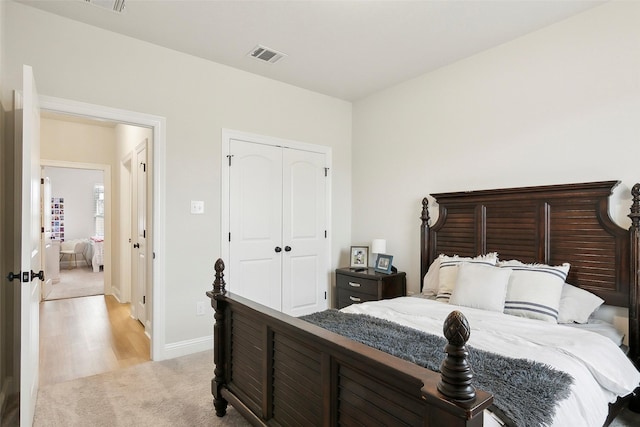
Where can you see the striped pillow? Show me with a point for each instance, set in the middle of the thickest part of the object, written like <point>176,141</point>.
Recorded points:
<point>449,271</point>
<point>534,290</point>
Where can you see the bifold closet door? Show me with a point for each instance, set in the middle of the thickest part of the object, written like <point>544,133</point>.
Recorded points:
<point>304,281</point>
<point>277,216</point>
<point>255,179</point>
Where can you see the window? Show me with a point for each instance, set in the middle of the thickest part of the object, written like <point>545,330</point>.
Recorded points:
<point>98,210</point>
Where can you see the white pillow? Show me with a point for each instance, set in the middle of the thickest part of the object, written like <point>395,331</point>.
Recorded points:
<point>449,271</point>
<point>430,282</point>
<point>534,290</point>
<point>481,286</point>
<point>576,305</point>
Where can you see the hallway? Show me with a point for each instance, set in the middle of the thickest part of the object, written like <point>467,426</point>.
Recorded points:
<point>86,336</point>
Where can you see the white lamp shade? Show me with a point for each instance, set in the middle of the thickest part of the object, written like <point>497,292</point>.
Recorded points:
<point>379,246</point>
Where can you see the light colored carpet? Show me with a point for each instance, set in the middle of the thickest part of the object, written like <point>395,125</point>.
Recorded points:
<point>174,392</point>
<point>171,393</point>
<point>77,282</point>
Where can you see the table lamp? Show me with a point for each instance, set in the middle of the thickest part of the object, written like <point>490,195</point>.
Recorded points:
<point>378,246</point>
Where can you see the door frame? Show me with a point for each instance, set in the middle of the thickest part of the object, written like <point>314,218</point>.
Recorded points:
<point>158,126</point>
<point>227,136</point>
<point>106,171</point>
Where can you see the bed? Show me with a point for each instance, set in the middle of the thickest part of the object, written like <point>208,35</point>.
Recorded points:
<point>280,370</point>
<point>96,253</point>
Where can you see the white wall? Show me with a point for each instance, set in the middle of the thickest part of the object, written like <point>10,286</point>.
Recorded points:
<point>198,98</point>
<point>560,105</point>
<point>78,141</point>
<point>76,187</point>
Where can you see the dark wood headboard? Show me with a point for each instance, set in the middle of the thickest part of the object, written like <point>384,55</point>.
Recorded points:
<point>548,224</point>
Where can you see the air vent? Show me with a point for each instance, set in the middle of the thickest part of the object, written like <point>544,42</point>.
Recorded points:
<point>265,54</point>
<point>112,5</point>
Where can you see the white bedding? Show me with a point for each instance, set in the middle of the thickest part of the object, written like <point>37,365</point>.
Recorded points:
<point>96,254</point>
<point>601,370</point>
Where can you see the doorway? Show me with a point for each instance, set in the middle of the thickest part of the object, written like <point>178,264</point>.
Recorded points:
<point>74,221</point>
<point>84,224</point>
<point>155,324</point>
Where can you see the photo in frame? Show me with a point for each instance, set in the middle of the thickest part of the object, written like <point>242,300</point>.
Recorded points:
<point>359,256</point>
<point>384,263</point>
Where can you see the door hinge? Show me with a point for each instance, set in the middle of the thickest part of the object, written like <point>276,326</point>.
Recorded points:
<point>326,171</point>
<point>154,255</point>
<point>229,156</point>
<point>325,295</point>
<point>41,180</point>
<point>42,229</point>
<point>144,166</point>
<point>144,234</point>
<point>325,234</point>
<point>229,236</point>
<point>144,299</point>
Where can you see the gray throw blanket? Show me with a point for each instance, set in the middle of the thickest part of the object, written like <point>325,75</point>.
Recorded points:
<point>525,392</point>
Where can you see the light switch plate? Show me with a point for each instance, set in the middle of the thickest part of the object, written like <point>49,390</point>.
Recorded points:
<point>197,207</point>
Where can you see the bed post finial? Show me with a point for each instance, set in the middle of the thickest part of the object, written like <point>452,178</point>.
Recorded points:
<point>218,283</point>
<point>455,372</point>
<point>425,212</point>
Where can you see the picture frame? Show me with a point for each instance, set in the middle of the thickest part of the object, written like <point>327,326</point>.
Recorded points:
<point>384,264</point>
<point>359,256</point>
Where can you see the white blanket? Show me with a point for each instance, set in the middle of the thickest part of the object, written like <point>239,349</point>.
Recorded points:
<point>601,370</point>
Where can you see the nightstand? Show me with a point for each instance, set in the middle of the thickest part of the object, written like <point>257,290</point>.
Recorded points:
<point>368,285</point>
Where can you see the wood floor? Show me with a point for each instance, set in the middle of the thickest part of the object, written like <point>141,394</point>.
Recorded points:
<point>85,336</point>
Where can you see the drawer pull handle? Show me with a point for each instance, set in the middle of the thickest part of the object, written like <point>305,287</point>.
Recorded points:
<point>354,284</point>
<point>354,299</point>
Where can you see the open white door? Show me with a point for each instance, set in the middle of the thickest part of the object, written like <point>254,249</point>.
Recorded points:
<point>140,264</point>
<point>28,130</point>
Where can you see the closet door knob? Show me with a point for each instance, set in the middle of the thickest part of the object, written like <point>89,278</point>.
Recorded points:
<point>287,248</point>
<point>278,249</point>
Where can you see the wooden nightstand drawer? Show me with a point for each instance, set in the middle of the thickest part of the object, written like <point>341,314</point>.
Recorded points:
<point>367,285</point>
<point>347,297</point>
<point>358,284</point>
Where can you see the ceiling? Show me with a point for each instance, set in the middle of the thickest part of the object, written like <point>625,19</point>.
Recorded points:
<point>341,48</point>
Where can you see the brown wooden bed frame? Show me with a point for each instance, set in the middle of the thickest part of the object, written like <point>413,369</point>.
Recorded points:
<point>279,370</point>
<point>550,225</point>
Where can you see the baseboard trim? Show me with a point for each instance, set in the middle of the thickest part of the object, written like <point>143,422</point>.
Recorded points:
<point>115,292</point>
<point>183,348</point>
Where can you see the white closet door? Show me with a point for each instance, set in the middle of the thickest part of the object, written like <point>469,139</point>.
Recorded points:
<point>255,217</point>
<point>304,281</point>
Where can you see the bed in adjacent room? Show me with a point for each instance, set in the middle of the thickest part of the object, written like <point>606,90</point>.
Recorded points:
<point>527,268</point>
<point>96,252</point>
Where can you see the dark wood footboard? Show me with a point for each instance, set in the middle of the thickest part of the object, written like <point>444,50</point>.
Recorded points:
<point>274,368</point>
